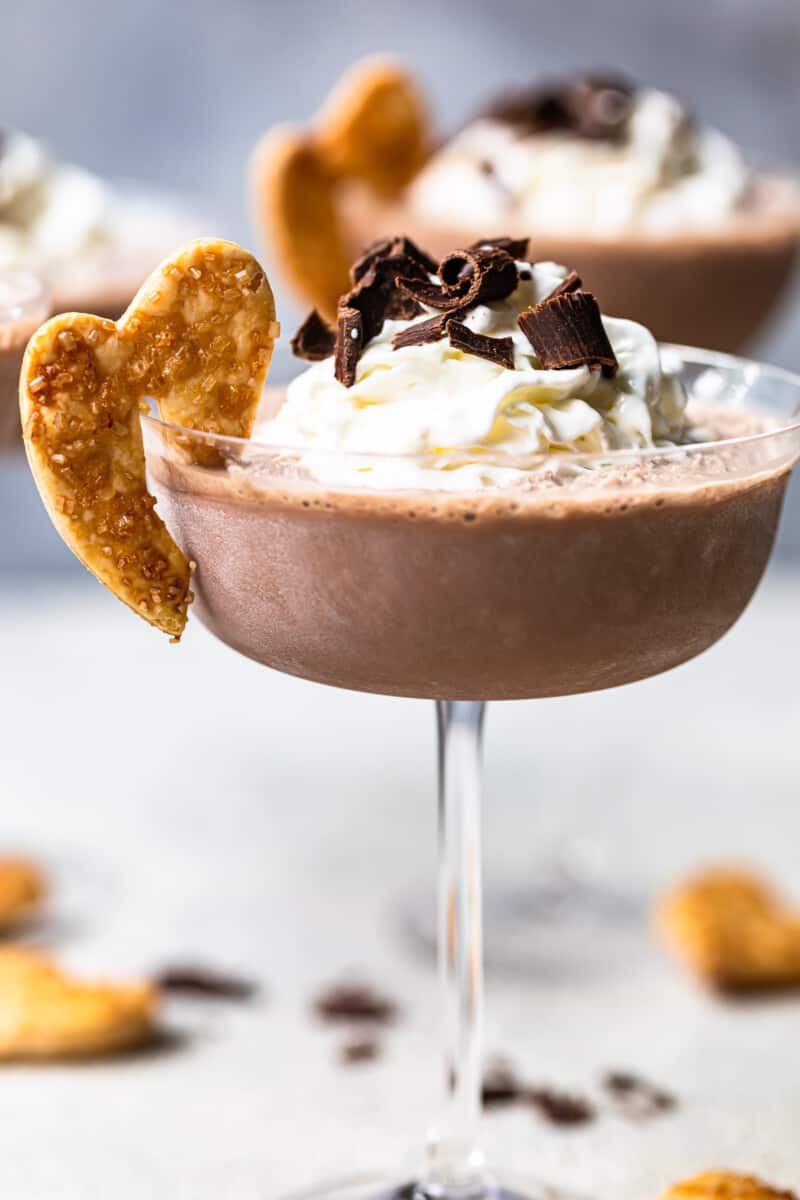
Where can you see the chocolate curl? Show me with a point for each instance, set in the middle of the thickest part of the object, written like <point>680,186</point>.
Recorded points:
<point>468,277</point>
<point>567,331</point>
<point>349,340</point>
<point>571,283</point>
<point>314,339</point>
<point>497,350</point>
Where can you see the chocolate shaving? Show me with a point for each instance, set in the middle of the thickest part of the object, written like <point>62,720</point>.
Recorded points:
<point>567,331</point>
<point>468,277</point>
<point>204,982</point>
<point>637,1098</point>
<point>359,1050</point>
<point>571,283</point>
<point>314,339</point>
<point>399,247</point>
<point>516,247</point>
<point>560,1108</point>
<point>349,340</point>
<point>594,106</point>
<point>424,332</point>
<point>501,1086</point>
<point>355,1003</point>
<point>496,350</point>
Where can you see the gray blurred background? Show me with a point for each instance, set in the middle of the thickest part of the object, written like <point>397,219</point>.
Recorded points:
<point>176,93</point>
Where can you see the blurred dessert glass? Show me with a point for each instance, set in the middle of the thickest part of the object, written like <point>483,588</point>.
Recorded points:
<point>24,304</point>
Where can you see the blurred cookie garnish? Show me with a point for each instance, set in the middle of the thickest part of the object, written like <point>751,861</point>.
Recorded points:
<point>354,1003</point>
<point>725,1185</point>
<point>498,350</point>
<point>567,330</point>
<point>204,982</point>
<point>732,929</point>
<point>314,339</point>
<point>46,1013</point>
<point>22,889</point>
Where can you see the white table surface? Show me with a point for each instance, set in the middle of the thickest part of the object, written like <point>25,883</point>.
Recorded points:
<point>196,805</point>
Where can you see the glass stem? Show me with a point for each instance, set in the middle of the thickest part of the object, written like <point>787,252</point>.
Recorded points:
<point>455,1164</point>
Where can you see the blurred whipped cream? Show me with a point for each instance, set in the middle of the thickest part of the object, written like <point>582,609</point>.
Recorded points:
<point>664,174</point>
<point>67,224</point>
<point>432,399</point>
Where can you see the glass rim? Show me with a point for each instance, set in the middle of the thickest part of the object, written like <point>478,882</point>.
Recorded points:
<point>690,355</point>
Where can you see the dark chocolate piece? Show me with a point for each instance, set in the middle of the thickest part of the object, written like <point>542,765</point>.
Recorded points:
<point>567,331</point>
<point>594,106</point>
<point>355,1003</point>
<point>314,339</point>
<point>560,1108</point>
<point>359,1050</point>
<point>497,350</point>
<point>501,1086</point>
<point>425,332</point>
<point>516,247</point>
<point>349,340</point>
<point>399,247</point>
<point>571,283</point>
<point>189,980</point>
<point>637,1098</point>
<point>468,277</point>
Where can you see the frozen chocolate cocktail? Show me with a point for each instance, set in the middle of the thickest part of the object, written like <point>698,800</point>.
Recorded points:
<point>665,217</point>
<point>480,487</point>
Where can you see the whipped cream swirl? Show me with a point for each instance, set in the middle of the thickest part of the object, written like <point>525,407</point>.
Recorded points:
<point>666,174</point>
<point>419,404</point>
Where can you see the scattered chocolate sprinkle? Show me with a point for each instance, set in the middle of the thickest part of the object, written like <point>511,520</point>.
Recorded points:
<point>497,350</point>
<point>635,1097</point>
<point>501,1086</point>
<point>560,1108</point>
<point>349,340</point>
<point>593,106</point>
<point>359,1050</point>
<point>570,283</point>
<point>516,247</point>
<point>205,982</point>
<point>355,1003</point>
<point>567,331</point>
<point>424,332</point>
<point>314,339</point>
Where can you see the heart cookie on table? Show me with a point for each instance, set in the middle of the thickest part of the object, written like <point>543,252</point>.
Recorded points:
<point>725,1185</point>
<point>373,129</point>
<point>22,889</point>
<point>733,930</point>
<point>197,339</point>
<point>46,1013</point>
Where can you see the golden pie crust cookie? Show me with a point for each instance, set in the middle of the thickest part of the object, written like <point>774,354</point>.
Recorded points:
<point>733,930</point>
<point>198,339</point>
<point>47,1014</point>
<point>22,889</point>
<point>374,128</point>
<point>725,1185</point>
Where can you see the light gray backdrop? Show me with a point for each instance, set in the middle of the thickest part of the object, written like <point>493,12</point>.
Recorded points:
<point>177,91</point>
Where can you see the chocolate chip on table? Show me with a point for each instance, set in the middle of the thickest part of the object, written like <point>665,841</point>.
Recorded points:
<point>359,1050</point>
<point>501,1086</point>
<point>314,340</point>
<point>201,981</point>
<point>355,1003</point>
<point>499,350</point>
<point>567,331</point>
<point>636,1097</point>
<point>560,1108</point>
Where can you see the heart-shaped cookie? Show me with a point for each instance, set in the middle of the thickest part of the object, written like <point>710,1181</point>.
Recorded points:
<point>47,1014</point>
<point>22,889</point>
<point>725,1185</point>
<point>197,338</point>
<point>733,930</point>
<point>373,129</point>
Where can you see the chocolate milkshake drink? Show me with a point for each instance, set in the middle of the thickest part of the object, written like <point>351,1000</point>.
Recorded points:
<point>24,304</point>
<point>479,488</point>
<point>668,222</point>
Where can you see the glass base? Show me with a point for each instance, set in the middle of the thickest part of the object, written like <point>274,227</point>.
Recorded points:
<point>377,1187</point>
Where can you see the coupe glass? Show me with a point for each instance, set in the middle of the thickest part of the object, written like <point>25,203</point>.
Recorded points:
<point>606,570</point>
